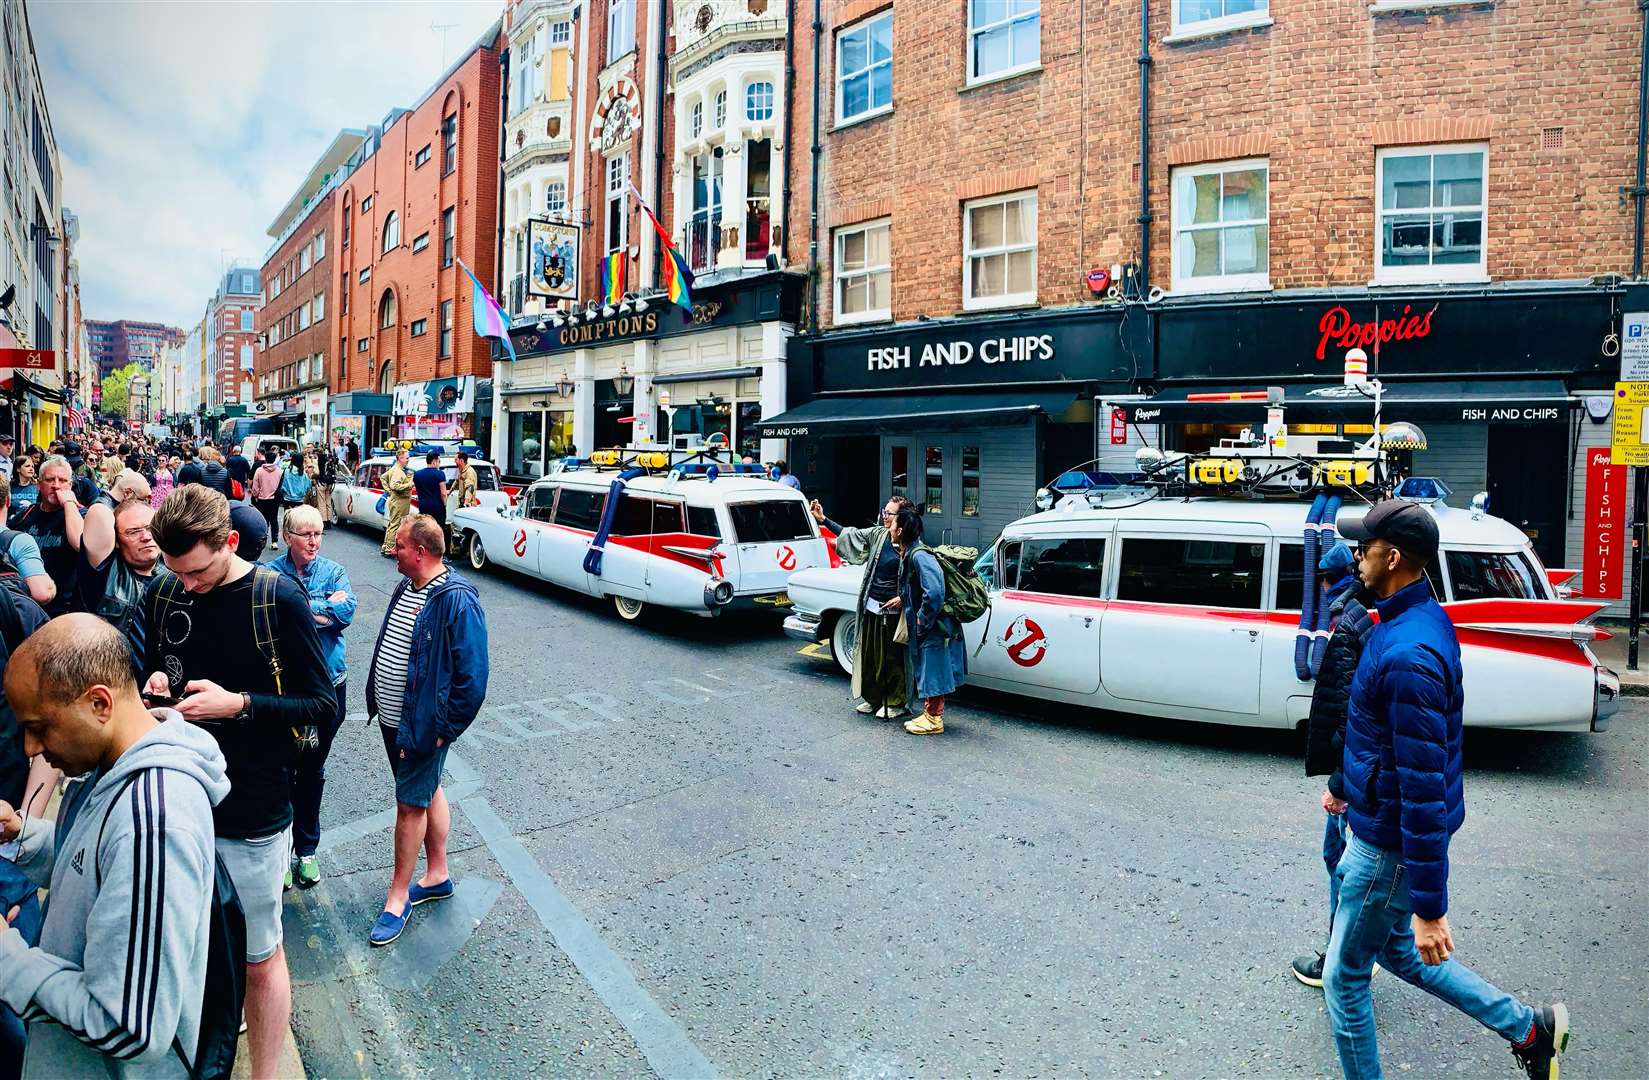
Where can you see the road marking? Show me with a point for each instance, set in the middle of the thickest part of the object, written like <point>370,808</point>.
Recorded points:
<point>818,651</point>
<point>659,1038</point>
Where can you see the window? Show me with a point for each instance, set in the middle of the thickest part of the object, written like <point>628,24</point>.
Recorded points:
<point>933,466</point>
<point>1290,577</point>
<point>617,221</point>
<point>1201,573</point>
<point>864,69</point>
<point>446,329</point>
<point>1004,36</point>
<point>561,33</point>
<point>758,101</point>
<point>1070,567</point>
<point>366,204</point>
<point>1222,238</point>
<point>555,199</point>
<point>360,345</point>
<point>386,310</point>
<point>303,316</point>
<point>999,249</point>
<point>346,227</point>
<point>864,272</point>
<point>419,327</point>
<point>274,286</point>
<point>1431,213</point>
<point>319,245</point>
<point>248,284</point>
<point>695,120</point>
<point>770,522</point>
<point>366,272</point>
<point>421,158</point>
<point>303,260</point>
<point>1486,575</point>
<point>1212,16</point>
<point>621,28</point>
<point>392,231</point>
<point>579,509</point>
<point>720,116</point>
<point>899,471</point>
<point>449,144</point>
<point>541,501</point>
<point>701,521</point>
<point>634,517</point>
<point>527,455</point>
<point>245,319</point>
<point>343,292</point>
<point>970,481</point>
<point>420,242</point>
<point>447,237</point>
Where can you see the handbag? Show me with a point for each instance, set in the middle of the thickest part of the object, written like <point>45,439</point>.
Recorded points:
<point>901,632</point>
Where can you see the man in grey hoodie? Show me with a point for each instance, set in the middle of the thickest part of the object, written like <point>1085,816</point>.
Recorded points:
<point>121,966</point>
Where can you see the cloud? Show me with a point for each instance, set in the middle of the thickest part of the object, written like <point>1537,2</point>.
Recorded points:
<point>184,128</point>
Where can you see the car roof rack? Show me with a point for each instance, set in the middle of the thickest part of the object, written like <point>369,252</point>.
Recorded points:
<point>705,463</point>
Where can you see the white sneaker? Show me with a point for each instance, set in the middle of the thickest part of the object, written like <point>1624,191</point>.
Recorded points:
<point>892,712</point>
<point>864,708</point>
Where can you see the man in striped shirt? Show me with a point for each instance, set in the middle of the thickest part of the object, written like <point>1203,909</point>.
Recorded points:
<point>427,682</point>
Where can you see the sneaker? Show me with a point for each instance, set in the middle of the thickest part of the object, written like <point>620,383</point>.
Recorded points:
<point>309,872</point>
<point>864,708</point>
<point>286,886</point>
<point>891,712</point>
<point>1549,1038</point>
<point>926,724</point>
<point>422,894</point>
<point>389,926</point>
<point>1309,969</point>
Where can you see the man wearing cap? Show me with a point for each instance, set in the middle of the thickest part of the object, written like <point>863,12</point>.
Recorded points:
<point>1402,780</point>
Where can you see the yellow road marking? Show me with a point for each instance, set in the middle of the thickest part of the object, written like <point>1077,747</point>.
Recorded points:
<point>817,651</point>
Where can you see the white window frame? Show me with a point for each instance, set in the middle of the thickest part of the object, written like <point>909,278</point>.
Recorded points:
<point>695,120</point>
<point>750,100</point>
<point>303,260</point>
<point>864,25</point>
<point>1007,20</point>
<point>392,232</point>
<point>839,279</point>
<point>1205,27</point>
<point>561,33</point>
<point>621,28</point>
<point>620,191</point>
<point>969,302</point>
<point>556,208</point>
<point>1397,275</point>
<point>303,316</point>
<point>320,245</point>
<point>319,304</point>
<point>721,110</point>
<point>420,242</point>
<point>1183,282</point>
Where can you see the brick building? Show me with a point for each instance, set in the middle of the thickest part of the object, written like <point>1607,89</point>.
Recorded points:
<point>295,339</point>
<point>114,344</point>
<point>231,316</point>
<point>421,195</point>
<point>1447,175</point>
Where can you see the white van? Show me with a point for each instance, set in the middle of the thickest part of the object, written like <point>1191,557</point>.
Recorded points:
<point>1189,608</point>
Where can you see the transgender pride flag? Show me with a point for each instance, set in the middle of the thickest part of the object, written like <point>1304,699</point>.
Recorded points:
<point>488,317</point>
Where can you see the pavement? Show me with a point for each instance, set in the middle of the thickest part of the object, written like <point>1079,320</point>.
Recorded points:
<point>679,853</point>
<point>1612,655</point>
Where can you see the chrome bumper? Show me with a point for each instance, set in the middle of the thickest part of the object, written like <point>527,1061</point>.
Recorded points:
<point>803,627</point>
<point>1605,699</point>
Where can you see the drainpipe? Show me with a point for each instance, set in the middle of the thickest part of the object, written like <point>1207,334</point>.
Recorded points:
<point>789,127</point>
<point>496,443</point>
<point>813,204</point>
<point>1145,148</point>
<point>1639,192</point>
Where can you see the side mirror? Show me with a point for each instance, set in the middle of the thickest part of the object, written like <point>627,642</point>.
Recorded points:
<point>504,511</point>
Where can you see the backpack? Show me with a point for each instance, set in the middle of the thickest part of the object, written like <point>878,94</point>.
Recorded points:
<point>225,994</point>
<point>14,602</point>
<point>10,576</point>
<point>294,486</point>
<point>237,490</point>
<point>966,596</point>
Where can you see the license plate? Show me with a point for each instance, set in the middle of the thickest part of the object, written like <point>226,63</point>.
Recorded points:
<point>777,600</point>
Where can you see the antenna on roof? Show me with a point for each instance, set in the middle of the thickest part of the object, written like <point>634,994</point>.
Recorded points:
<point>442,28</point>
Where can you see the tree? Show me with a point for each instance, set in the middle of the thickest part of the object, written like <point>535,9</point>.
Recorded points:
<point>114,389</point>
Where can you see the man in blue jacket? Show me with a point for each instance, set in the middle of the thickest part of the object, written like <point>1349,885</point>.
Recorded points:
<point>1402,781</point>
<point>427,682</point>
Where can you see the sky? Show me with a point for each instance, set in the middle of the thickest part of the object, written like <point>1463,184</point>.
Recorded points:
<point>184,128</point>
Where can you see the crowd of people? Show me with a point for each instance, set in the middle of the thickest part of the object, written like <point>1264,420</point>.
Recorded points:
<point>179,697</point>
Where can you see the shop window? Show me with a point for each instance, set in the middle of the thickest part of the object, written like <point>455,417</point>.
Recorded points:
<point>933,463</point>
<point>1431,213</point>
<point>864,69</point>
<point>999,248</point>
<point>541,503</point>
<point>970,481</point>
<point>701,521</point>
<point>579,509</point>
<point>1212,16</point>
<point>899,471</point>
<point>527,444</point>
<point>1004,36</point>
<point>758,101</point>
<point>750,439</point>
<point>1222,232</point>
<point>1070,567</point>
<point>1197,573</point>
<point>1482,575</point>
<point>863,272</point>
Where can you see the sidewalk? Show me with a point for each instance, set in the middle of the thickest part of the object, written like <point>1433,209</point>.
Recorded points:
<point>1612,655</point>
<point>290,1067</point>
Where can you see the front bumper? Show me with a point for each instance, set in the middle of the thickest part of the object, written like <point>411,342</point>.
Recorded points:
<point>1605,698</point>
<point>803,626</point>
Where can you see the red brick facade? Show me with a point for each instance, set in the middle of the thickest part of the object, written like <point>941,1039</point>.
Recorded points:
<point>417,281</point>
<point>291,337</point>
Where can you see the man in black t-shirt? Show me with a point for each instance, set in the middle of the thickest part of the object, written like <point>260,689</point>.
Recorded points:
<point>56,525</point>
<point>235,646</point>
<point>240,470</point>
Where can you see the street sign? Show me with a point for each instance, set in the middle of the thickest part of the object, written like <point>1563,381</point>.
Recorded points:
<point>1634,346</point>
<point>1630,445</point>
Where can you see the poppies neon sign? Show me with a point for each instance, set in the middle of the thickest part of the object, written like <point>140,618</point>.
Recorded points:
<point>1338,328</point>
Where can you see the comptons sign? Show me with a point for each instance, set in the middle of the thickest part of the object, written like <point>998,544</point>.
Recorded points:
<point>940,354</point>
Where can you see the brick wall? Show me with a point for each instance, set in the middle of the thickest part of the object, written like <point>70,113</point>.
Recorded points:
<point>279,360</point>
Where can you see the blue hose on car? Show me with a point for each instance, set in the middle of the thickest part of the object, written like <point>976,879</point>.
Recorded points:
<point>592,558</point>
<point>1308,590</point>
<point>1327,538</point>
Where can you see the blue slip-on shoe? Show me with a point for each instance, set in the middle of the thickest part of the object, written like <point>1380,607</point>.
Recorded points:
<point>423,893</point>
<point>389,926</point>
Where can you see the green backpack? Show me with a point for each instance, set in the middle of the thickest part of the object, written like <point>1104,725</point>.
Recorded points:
<point>965,594</point>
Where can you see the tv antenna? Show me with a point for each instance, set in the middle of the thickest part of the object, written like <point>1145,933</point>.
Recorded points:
<point>442,29</point>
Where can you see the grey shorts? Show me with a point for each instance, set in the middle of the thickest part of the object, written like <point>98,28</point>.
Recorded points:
<point>416,775</point>
<point>258,868</point>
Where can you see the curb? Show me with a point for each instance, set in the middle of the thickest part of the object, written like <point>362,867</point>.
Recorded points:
<point>290,1066</point>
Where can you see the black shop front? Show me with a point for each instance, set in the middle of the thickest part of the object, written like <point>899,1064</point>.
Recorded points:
<point>965,416</point>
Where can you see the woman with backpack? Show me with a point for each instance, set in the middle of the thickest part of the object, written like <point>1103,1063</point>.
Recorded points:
<point>879,672</point>
<point>938,655</point>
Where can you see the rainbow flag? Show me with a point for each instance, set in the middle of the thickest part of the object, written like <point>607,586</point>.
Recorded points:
<point>612,277</point>
<point>488,317</point>
<point>678,280</point>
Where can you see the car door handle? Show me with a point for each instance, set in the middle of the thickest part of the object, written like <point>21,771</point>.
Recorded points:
<point>1252,634</point>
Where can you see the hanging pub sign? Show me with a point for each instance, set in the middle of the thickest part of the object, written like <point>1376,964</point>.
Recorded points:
<point>553,256</point>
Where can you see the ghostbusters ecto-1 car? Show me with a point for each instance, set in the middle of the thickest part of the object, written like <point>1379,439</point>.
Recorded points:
<point>1184,598</point>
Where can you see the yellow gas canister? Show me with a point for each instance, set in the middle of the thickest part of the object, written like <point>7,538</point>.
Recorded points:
<point>1348,473</point>
<point>1215,470</point>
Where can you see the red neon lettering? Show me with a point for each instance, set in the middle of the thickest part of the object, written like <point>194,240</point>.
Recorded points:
<point>1337,326</point>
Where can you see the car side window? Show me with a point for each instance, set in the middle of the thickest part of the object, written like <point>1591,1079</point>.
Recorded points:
<point>667,518</point>
<point>1063,567</point>
<point>541,503</point>
<point>634,516</point>
<point>374,476</point>
<point>701,521</point>
<point>579,509</point>
<point>1290,577</point>
<point>1010,564</point>
<point>361,475</point>
<point>985,567</point>
<point>1200,573</point>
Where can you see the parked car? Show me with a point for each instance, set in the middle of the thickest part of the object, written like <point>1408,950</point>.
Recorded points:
<point>359,498</point>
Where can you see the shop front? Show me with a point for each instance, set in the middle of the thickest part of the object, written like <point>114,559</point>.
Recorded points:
<point>361,415</point>
<point>966,417</point>
<point>435,409</point>
<point>1511,385</point>
<point>646,374</point>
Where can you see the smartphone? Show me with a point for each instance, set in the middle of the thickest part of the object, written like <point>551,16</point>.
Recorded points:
<point>158,700</point>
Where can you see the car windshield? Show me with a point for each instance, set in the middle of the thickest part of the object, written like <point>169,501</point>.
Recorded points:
<point>769,522</point>
<point>1491,575</point>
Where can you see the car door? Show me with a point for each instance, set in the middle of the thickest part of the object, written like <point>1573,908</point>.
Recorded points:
<point>1186,627</point>
<point>772,538</point>
<point>625,558</point>
<point>1047,604</point>
<point>561,554</point>
<point>517,542</point>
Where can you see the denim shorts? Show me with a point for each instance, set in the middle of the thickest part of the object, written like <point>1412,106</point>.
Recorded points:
<point>258,868</point>
<point>416,775</point>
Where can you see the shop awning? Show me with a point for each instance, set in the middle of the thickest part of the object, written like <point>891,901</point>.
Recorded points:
<point>892,413</point>
<point>706,376</point>
<point>360,403</point>
<point>1503,401</point>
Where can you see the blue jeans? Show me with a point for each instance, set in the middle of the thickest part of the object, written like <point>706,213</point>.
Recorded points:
<point>1371,922</point>
<point>16,890</point>
<point>1334,845</point>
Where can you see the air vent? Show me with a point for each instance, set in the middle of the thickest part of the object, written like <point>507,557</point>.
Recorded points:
<point>1551,138</point>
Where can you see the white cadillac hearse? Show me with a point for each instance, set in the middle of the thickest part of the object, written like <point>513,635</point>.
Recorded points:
<point>691,531</point>
<point>1184,600</point>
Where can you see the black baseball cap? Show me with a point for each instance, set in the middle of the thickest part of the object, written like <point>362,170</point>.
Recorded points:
<point>1406,526</point>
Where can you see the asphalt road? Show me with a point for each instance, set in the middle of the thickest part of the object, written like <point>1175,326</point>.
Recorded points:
<point>681,853</point>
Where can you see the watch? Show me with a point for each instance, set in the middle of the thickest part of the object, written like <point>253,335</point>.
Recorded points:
<point>245,708</point>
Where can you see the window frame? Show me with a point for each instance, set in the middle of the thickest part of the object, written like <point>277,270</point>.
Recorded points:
<point>556,213</point>
<point>974,77</point>
<point>608,196</point>
<point>1236,540</point>
<point>418,327</point>
<point>1178,212</point>
<point>420,242</point>
<point>449,144</point>
<point>1007,300</point>
<point>421,157</point>
<point>720,115</point>
<point>750,89</point>
<point>449,235</point>
<point>842,33</point>
<point>1431,273</point>
<point>1221,24</point>
<point>838,279</point>
<point>695,120</point>
<point>392,232</point>
<point>444,325</point>
<point>621,13</point>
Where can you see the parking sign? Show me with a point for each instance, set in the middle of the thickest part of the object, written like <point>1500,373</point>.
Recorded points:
<point>1634,347</point>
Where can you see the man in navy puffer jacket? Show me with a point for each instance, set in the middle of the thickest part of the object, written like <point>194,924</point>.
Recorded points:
<point>1402,779</point>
